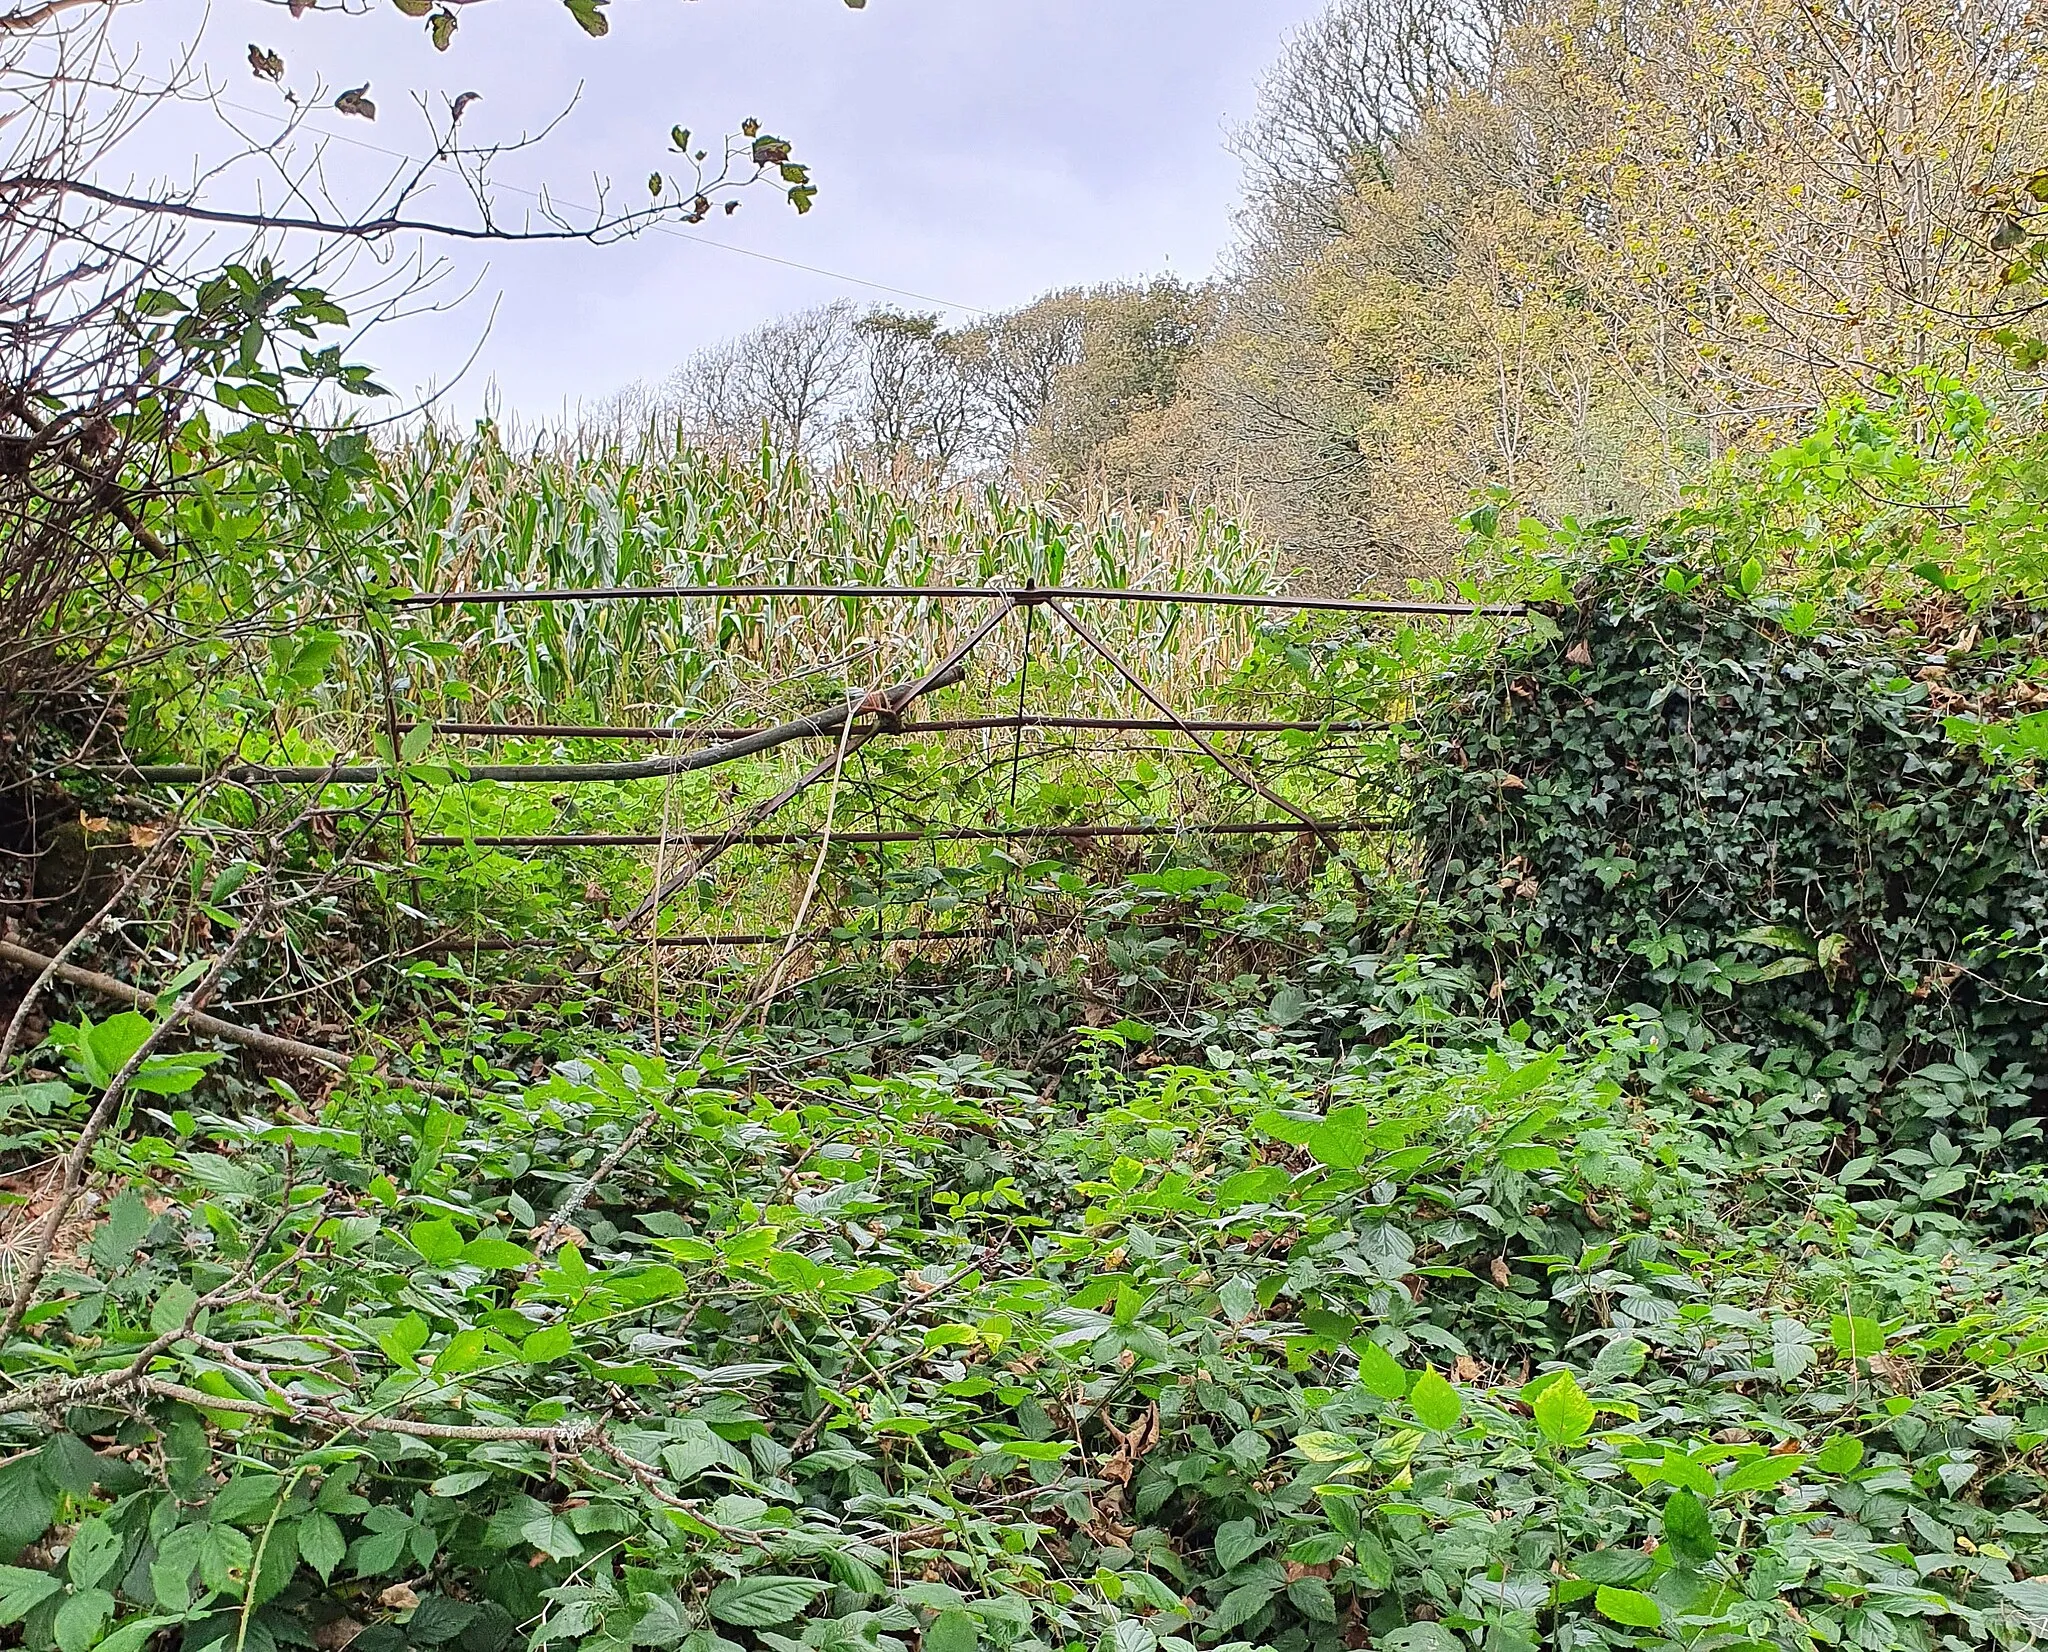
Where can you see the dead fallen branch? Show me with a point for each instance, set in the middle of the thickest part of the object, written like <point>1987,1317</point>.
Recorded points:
<point>211,1026</point>
<point>830,721</point>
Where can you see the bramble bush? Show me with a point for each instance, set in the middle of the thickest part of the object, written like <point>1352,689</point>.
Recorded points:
<point>1250,1329</point>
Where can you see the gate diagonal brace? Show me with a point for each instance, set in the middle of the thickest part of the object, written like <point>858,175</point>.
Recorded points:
<point>886,706</point>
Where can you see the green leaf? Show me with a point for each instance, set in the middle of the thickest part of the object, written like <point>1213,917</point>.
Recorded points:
<point>1562,1410</point>
<point>495,1254</point>
<point>1421,1637</point>
<point>1129,1634</point>
<point>1856,1337</point>
<point>1244,1603</point>
<point>1435,1402</point>
<point>245,1498</point>
<point>1760,1473</point>
<point>953,1630</point>
<point>1236,1542</point>
<point>2029,1596</point>
<point>1257,1186</point>
<point>404,1340</point>
<point>81,1618</point>
<point>1342,1138</point>
<point>132,1635</point>
<point>1038,1451</point>
<point>1778,937</point>
<point>464,1351</point>
<point>1629,1606</point>
<point>1238,1298</point>
<point>107,1046</point>
<point>762,1602</point>
<point>119,1237</point>
<point>1379,1372</point>
<point>95,1547</point>
<point>1688,1528</point>
<point>1620,1564</point>
<point>171,1309</point>
<point>592,22</point>
<point>1527,1077</point>
<point>1312,1596</point>
<point>28,1502</point>
<point>1321,1446</point>
<point>438,1617</point>
<point>321,1545</point>
<point>69,1464</point>
<point>550,1342</point>
<point>224,1555</point>
<point>554,1536</point>
<point>1841,1455</point>
<point>22,1591</point>
<point>439,1241</point>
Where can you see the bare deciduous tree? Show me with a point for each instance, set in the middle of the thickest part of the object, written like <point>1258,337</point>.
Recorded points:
<point>128,310</point>
<point>1348,84</point>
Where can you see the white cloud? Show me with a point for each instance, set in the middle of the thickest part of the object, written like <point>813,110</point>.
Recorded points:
<point>978,151</point>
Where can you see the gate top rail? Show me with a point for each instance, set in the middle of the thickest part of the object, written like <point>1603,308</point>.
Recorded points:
<point>1019,594</point>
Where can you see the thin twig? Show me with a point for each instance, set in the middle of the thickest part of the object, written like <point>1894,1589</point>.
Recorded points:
<point>53,966</point>
<point>72,1176</point>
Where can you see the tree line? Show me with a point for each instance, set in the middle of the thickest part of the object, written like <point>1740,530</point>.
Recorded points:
<point>1571,254</point>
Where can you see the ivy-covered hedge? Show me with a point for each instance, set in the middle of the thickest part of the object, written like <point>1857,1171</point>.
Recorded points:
<point>1675,798</point>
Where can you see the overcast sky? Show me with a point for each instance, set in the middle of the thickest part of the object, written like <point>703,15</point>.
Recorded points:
<point>971,152</point>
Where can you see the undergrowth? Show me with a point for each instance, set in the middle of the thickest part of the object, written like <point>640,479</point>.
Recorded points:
<point>1316,1313</point>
